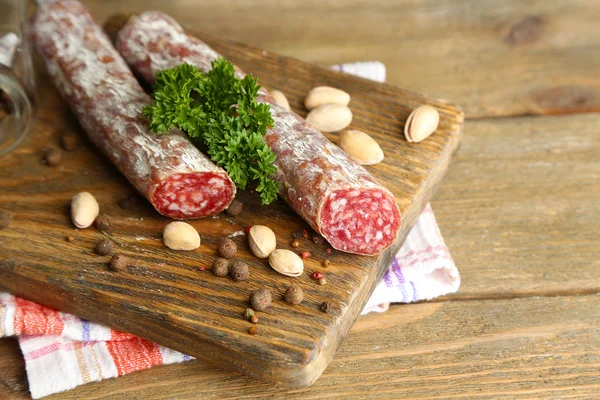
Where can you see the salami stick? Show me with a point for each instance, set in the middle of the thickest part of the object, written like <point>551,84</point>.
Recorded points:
<point>335,195</point>
<point>168,170</point>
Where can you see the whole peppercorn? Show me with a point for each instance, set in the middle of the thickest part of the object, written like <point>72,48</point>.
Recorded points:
<point>329,250</point>
<point>104,248</point>
<point>260,299</point>
<point>326,263</point>
<point>297,234</point>
<point>252,330</point>
<point>128,202</point>
<point>5,218</point>
<point>118,262</point>
<point>248,313</point>
<point>53,157</point>
<point>326,307</point>
<point>70,238</point>
<point>254,319</point>
<point>305,254</point>
<point>239,271</point>
<point>234,208</point>
<point>295,243</point>
<point>294,294</point>
<point>220,267</point>
<point>322,281</point>
<point>227,248</point>
<point>103,222</point>
<point>68,141</point>
<point>318,239</point>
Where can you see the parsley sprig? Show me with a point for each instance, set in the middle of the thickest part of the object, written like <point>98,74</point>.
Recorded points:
<point>219,112</point>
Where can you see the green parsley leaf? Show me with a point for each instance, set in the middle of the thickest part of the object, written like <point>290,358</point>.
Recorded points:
<point>219,112</point>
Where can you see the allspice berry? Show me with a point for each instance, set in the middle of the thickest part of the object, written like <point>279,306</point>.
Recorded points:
<point>118,262</point>
<point>239,271</point>
<point>68,141</point>
<point>234,208</point>
<point>260,299</point>
<point>326,263</point>
<point>220,267</point>
<point>53,157</point>
<point>252,330</point>
<point>227,248</point>
<point>103,222</point>
<point>104,248</point>
<point>295,243</point>
<point>294,294</point>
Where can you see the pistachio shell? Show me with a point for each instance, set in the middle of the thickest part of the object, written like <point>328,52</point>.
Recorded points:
<point>421,123</point>
<point>286,262</point>
<point>180,235</point>
<point>262,241</point>
<point>321,95</point>
<point>330,117</point>
<point>280,98</point>
<point>361,147</point>
<point>84,209</point>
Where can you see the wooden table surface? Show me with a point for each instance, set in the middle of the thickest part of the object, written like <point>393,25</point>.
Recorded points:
<point>519,209</point>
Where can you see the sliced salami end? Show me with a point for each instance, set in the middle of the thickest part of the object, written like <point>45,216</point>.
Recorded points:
<point>194,195</point>
<point>362,221</point>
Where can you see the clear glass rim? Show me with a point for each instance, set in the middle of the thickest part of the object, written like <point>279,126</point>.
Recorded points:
<point>22,107</point>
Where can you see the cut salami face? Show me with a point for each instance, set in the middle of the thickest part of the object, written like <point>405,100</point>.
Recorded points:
<point>168,170</point>
<point>335,195</point>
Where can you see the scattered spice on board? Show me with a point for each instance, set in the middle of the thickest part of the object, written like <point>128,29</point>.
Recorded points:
<point>128,202</point>
<point>252,330</point>
<point>68,141</point>
<point>316,238</point>
<point>326,263</point>
<point>220,267</point>
<point>5,218</point>
<point>235,208</point>
<point>305,254</point>
<point>239,271</point>
<point>227,248</point>
<point>322,281</point>
<point>297,234</point>
<point>260,299</point>
<point>294,294</point>
<point>118,262</point>
<point>295,243</point>
<point>70,238</point>
<point>203,268</point>
<point>305,233</point>
<point>248,313</point>
<point>329,250</point>
<point>104,247</point>
<point>254,319</point>
<point>326,307</point>
<point>53,157</point>
<point>103,222</point>
<point>316,275</point>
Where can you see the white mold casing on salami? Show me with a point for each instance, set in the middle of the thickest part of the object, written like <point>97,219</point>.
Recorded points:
<point>92,77</point>
<point>334,194</point>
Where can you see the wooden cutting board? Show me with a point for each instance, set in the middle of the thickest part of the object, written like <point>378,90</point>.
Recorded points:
<point>166,296</point>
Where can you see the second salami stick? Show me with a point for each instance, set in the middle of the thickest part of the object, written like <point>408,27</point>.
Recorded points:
<point>168,170</point>
<point>335,195</point>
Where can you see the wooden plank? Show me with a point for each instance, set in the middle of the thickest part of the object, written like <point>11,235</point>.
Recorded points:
<point>163,296</point>
<point>525,348</point>
<point>494,57</point>
<point>520,207</point>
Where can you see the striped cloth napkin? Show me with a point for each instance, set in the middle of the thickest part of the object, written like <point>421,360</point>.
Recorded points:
<point>63,351</point>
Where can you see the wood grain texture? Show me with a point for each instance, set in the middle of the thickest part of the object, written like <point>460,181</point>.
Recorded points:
<point>520,207</point>
<point>164,296</point>
<point>494,57</point>
<point>503,349</point>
